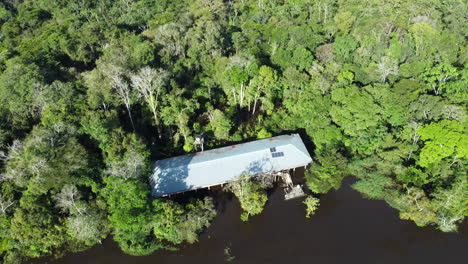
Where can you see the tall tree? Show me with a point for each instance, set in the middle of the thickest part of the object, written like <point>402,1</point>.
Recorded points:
<point>151,85</point>
<point>124,92</point>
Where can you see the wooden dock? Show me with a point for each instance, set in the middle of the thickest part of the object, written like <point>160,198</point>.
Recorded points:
<point>291,191</point>
<point>294,192</point>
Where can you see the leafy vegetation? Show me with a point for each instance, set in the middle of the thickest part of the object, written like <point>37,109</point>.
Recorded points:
<point>91,91</point>
<point>312,205</point>
<point>251,194</point>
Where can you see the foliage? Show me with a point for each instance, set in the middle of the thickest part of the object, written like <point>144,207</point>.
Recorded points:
<point>327,174</point>
<point>48,159</point>
<point>312,204</point>
<point>131,161</point>
<point>91,91</point>
<point>220,124</point>
<point>451,204</point>
<point>35,229</point>
<point>129,215</point>
<point>251,195</point>
<point>176,223</point>
<point>263,133</point>
<point>414,176</point>
<point>443,140</point>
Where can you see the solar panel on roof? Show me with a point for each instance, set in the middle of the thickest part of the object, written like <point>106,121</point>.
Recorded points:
<point>277,154</point>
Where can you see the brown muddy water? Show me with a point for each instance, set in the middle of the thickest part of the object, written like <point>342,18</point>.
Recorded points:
<point>346,229</point>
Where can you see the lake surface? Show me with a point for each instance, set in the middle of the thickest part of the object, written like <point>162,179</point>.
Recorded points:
<point>346,229</point>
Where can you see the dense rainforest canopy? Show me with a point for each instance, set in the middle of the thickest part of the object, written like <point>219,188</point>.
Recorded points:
<point>91,91</point>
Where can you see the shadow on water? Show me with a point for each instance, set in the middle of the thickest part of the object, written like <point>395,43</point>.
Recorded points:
<point>346,229</point>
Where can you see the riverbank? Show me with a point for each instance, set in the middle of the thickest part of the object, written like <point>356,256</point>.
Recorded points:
<point>346,229</point>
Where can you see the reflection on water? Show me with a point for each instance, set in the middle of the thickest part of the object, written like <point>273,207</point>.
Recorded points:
<point>346,229</point>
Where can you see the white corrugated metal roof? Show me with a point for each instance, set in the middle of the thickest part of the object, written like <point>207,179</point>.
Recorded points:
<point>220,165</point>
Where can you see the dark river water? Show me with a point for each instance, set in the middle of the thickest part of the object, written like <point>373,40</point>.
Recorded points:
<point>346,229</point>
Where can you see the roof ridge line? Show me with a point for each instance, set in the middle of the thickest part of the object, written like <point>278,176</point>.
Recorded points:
<point>216,158</point>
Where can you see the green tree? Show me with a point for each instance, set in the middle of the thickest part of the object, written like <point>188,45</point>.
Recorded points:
<point>251,195</point>
<point>262,88</point>
<point>89,228</point>
<point>130,215</point>
<point>414,205</point>
<point>451,204</point>
<point>444,139</point>
<point>177,223</point>
<point>131,161</point>
<point>151,85</point>
<point>414,176</point>
<point>48,159</point>
<point>344,47</point>
<point>220,124</point>
<point>263,133</point>
<point>438,76</point>
<point>178,111</point>
<point>35,229</point>
<point>312,204</point>
<point>302,58</point>
<point>326,173</point>
<point>20,83</point>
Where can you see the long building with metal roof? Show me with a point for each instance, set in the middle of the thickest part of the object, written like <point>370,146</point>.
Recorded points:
<point>221,165</point>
